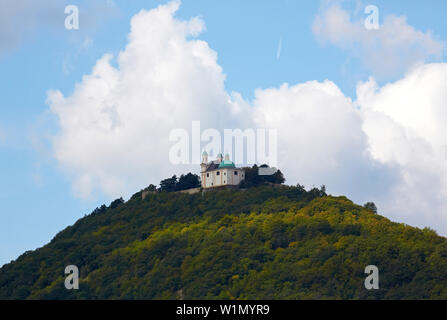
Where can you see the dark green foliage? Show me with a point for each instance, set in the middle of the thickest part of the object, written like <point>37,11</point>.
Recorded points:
<point>168,185</point>
<point>277,177</point>
<point>265,242</point>
<point>116,203</point>
<point>188,181</point>
<point>152,188</point>
<point>185,182</point>
<point>253,179</point>
<point>370,206</point>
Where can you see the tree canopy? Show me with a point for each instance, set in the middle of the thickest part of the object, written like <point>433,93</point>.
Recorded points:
<point>261,243</point>
<point>185,182</point>
<point>253,177</point>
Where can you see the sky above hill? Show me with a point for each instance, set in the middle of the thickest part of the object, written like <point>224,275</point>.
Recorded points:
<point>86,114</point>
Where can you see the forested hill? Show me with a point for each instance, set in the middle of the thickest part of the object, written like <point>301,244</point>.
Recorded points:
<point>261,243</point>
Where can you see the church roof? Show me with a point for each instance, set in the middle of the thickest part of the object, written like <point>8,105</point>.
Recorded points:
<point>212,166</point>
<point>227,164</point>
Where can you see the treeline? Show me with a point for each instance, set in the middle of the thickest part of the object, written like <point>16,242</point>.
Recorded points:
<point>253,178</point>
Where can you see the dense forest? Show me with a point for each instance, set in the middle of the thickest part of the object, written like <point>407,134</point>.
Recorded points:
<point>262,242</point>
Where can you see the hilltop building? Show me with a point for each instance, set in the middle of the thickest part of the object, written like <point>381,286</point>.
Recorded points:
<point>220,172</point>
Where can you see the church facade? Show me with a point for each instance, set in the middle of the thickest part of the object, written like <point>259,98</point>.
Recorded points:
<point>220,172</point>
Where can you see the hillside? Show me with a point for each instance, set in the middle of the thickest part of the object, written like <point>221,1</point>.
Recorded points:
<point>261,243</point>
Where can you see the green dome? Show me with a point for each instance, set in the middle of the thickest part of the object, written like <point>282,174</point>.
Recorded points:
<point>227,164</point>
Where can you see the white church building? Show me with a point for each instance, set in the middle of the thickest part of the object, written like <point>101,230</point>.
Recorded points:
<point>220,172</point>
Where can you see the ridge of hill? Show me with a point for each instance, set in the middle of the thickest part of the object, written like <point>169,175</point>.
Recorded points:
<point>263,243</point>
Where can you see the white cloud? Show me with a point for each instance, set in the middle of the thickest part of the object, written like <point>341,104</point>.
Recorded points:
<point>115,126</point>
<point>320,135</point>
<point>405,125</point>
<point>388,51</point>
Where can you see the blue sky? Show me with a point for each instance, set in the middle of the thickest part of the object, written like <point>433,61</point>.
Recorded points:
<point>38,54</point>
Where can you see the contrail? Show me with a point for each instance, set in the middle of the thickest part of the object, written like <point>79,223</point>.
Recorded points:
<point>278,52</point>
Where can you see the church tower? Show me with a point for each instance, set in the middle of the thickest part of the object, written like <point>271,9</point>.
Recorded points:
<point>204,161</point>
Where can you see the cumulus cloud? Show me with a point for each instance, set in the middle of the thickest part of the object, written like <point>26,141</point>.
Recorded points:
<point>321,138</point>
<point>405,125</point>
<point>115,126</point>
<point>388,146</point>
<point>388,51</point>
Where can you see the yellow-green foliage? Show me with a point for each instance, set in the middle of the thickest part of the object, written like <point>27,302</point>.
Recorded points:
<point>264,243</point>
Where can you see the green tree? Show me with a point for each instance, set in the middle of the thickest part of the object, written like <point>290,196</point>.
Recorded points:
<point>151,188</point>
<point>169,185</point>
<point>253,179</point>
<point>370,206</point>
<point>188,181</point>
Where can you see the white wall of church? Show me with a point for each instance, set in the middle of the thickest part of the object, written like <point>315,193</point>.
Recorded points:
<point>222,177</point>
